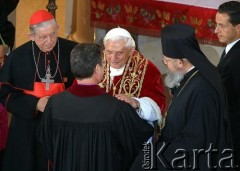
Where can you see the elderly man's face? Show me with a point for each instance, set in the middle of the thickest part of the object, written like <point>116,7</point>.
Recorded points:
<point>46,37</point>
<point>170,63</point>
<point>174,75</point>
<point>116,53</point>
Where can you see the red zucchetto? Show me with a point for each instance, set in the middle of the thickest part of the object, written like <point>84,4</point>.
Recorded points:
<point>40,16</point>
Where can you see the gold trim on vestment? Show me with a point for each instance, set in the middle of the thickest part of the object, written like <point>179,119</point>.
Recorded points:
<point>132,78</point>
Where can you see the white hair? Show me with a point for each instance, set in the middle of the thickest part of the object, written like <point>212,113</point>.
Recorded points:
<point>33,28</point>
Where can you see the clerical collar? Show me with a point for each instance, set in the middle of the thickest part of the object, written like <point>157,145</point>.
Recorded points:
<point>185,80</point>
<point>190,69</point>
<point>86,90</point>
<point>188,75</point>
<point>116,72</point>
<point>230,45</point>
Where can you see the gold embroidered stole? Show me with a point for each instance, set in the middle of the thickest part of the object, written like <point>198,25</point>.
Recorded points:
<point>132,78</point>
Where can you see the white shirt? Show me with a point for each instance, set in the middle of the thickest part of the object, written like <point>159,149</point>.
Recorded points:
<point>230,45</point>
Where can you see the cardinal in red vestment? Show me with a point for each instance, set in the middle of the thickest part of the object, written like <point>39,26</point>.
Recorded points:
<point>33,72</point>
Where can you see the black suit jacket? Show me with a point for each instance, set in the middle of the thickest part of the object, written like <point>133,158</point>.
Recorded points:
<point>229,69</point>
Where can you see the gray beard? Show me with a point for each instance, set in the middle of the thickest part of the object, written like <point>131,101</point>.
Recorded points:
<point>173,79</point>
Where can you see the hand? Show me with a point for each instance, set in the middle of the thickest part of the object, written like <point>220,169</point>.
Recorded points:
<point>42,103</point>
<point>133,102</point>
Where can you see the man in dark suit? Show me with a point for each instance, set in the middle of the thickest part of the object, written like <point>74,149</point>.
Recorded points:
<point>228,31</point>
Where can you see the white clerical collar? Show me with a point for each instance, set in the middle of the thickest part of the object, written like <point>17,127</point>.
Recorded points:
<point>230,45</point>
<point>190,69</point>
<point>116,72</point>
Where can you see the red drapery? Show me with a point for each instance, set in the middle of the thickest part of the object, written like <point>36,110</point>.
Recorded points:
<point>148,17</point>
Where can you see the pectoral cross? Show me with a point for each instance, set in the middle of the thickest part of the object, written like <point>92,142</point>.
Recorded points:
<point>47,79</point>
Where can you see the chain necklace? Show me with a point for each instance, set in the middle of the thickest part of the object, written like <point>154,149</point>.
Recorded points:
<point>165,115</point>
<point>48,67</point>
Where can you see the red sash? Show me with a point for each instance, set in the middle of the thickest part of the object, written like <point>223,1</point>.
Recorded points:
<point>39,89</point>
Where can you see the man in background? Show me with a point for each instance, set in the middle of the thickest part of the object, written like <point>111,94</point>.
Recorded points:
<point>7,29</point>
<point>3,112</point>
<point>228,32</point>
<point>7,37</point>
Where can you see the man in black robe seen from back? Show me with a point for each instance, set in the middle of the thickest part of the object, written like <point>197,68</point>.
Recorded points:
<point>84,128</point>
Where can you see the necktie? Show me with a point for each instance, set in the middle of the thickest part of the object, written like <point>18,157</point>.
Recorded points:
<point>223,54</point>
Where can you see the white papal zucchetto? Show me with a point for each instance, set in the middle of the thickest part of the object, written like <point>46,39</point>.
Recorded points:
<point>118,32</point>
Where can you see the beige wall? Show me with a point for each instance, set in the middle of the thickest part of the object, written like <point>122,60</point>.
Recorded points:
<point>80,26</point>
<point>25,9</point>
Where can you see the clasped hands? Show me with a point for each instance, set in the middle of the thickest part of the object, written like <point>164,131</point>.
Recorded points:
<point>42,102</point>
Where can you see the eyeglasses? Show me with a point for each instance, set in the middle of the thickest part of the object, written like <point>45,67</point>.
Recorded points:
<point>110,53</point>
<point>45,37</point>
<point>165,61</point>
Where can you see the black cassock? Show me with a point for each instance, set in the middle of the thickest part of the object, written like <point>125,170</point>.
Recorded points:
<point>86,129</point>
<point>194,128</point>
